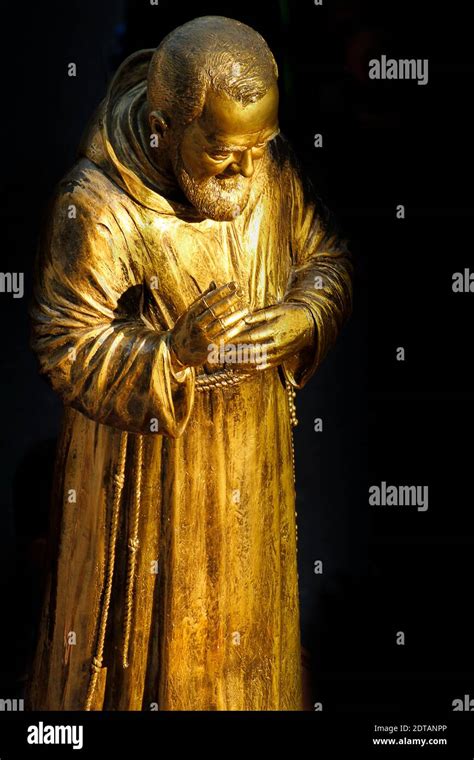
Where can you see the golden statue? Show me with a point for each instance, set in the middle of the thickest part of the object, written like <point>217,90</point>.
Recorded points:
<point>185,227</point>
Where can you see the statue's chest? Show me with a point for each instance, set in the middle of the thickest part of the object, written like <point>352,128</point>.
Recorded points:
<point>200,251</point>
<point>182,258</point>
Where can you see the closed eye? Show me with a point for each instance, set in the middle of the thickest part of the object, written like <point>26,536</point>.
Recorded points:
<point>223,156</point>
<point>219,156</point>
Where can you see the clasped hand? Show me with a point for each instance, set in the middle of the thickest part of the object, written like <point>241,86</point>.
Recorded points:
<point>262,339</point>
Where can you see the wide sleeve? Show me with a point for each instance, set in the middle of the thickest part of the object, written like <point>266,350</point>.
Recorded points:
<point>88,329</point>
<point>321,274</point>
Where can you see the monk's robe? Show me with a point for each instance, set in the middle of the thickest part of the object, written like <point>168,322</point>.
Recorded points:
<point>172,575</point>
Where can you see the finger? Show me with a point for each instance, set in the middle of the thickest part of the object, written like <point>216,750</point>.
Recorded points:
<point>262,315</point>
<point>228,305</point>
<point>251,356</point>
<point>273,356</point>
<point>228,320</point>
<point>235,320</point>
<point>257,334</point>
<point>212,286</point>
<point>231,332</point>
<point>227,334</point>
<point>224,307</point>
<point>222,291</point>
<point>210,289</point>
<point>209,296</point>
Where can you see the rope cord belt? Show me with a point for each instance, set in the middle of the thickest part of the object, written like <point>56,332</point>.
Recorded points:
<point>224,378</point>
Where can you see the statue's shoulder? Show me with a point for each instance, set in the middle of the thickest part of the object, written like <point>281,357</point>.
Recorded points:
<point>87,186</point>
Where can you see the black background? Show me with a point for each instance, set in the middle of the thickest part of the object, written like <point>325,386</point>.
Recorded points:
<point>386,569</point>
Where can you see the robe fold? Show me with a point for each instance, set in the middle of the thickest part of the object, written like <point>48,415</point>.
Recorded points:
<point>172,577</point>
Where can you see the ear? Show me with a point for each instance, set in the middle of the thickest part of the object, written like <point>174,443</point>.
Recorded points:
<point>158,123</point>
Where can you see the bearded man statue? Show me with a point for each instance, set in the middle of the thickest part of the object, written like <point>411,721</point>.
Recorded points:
<point>184,234</point>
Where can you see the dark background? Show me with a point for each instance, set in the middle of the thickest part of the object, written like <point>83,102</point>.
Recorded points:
<point>385,143</point>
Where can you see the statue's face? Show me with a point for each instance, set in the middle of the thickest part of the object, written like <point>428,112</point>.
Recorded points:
<point>217,155</point>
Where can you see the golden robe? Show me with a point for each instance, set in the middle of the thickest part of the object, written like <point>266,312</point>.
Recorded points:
<point>172,578</point>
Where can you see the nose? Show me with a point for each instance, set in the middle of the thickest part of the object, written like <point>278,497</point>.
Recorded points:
<point>246,163</point>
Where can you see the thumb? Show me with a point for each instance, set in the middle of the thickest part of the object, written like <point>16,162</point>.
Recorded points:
<point>212,286</point>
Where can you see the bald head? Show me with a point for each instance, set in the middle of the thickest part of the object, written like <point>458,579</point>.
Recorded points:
<point>208,53</point>
<point>212,110</point>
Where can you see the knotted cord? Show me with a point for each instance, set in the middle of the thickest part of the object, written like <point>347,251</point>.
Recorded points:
<point>224,378</point>
<point>119,480</point>
<point>133,544</point>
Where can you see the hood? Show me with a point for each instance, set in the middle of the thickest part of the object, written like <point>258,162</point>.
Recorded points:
<point>115,138</point>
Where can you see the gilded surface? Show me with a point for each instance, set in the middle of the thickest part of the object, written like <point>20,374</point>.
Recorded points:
<point>175,565</point>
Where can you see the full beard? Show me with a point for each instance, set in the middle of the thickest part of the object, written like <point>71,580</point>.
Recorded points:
<point>219,199</point>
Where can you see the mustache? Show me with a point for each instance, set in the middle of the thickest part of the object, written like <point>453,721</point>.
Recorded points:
<point>218,198</point>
